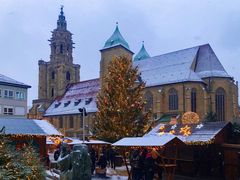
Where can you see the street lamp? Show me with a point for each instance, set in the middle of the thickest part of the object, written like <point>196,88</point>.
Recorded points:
<point>83,113</point>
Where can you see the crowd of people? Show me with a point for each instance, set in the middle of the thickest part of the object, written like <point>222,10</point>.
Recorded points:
<point>100,159</point>
<point>144,163</point>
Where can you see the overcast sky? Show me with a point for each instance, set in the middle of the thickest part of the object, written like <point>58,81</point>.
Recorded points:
<point>164,25</point>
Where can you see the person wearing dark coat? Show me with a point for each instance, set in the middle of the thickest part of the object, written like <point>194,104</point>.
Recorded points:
<point>57,154</point>
<point>136,165</point>
<point>102,162</point>
<point>149,167</point>
<point>93,159</point>
<point>112,155</point>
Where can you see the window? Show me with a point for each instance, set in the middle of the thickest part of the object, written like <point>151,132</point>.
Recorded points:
<point>61,48</point>
<point>71,122</point>
<point>173,99</point>
<point>67,103</point>
<point>61,122</point>
<point>68,76</point>
<point>52,93</point>
<point>8,94</point>
<point>19,95</point>
<point>220,104</point>
<point>193,100</point>
<point>149,99</point>
<point>8,111</point>
<point>53,75</point>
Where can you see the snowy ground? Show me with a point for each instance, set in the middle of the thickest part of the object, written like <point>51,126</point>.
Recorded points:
<point>118,173</point>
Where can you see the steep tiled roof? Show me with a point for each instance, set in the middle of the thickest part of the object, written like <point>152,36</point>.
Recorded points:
<point>4,80</point>
<point>185,65</point>
<point>78,95</point>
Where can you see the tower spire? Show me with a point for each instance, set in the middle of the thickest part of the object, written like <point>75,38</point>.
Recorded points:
<point>61,23</point>
<point>142,54</point>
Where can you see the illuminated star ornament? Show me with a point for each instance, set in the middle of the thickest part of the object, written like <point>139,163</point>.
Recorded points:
<point>199,126</point>
<point>186,130</point>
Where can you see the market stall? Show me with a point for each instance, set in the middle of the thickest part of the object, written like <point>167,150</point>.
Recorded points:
<point>168,144</point>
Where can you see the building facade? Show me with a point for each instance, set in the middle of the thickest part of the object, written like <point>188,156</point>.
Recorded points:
<point>191,79</point>
<point>56,74</point>
<point>13,98</point>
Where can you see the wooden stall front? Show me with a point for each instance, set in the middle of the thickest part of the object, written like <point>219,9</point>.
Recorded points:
<point>168,144</point>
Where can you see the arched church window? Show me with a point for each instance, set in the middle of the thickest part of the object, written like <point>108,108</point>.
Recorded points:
<point>149,98</point>
<point>68,76</point>
<point>71,122</point>
<point>194,100</point>
<point>53,75</point>
<point>220,104</point>
<point>61,48</point>
<point>61,122</point>
<point>173,99</point>
<point>52,93</point>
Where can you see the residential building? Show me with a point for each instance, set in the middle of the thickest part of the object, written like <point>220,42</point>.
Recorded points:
<point>13,97</point>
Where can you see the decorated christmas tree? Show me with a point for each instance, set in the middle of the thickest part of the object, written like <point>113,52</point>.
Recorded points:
<point>19,164</point>
<point>34,169</point>
<point>120,102</point>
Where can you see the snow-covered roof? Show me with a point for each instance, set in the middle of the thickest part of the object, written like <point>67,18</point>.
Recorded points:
<point>95,141</point>
<point>78,95</point>
<point>202,132</point>
<point>28,127</point>
<point>185,65</point>
<point>144,141</point>
<point>4,80</point>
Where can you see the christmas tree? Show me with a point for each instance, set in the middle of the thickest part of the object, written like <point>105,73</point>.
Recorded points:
<point>34,169</point>
<point>19,164</point>
<point>120,102</point>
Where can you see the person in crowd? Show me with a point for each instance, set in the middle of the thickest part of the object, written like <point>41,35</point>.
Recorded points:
<point>57,154</point>
<point>102,163</point>
<point>93,159</point>
<point>157,161</point>
<point>149,166</point>
<point>112,155</point>
<point>136,165</point>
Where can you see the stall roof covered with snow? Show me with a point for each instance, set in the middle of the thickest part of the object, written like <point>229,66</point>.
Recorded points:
<point>28,127</point>
<point>78,95</point>
<point>146,141</point>
<point>209,132</point>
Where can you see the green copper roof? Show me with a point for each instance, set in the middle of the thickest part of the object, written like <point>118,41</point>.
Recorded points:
<point>142,54</point>
<point>116,39</point>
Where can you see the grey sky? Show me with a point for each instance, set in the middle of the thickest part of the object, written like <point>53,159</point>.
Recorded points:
<point>165,26</point>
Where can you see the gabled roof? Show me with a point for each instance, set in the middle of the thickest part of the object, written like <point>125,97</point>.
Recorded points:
<point>144,141</point>
<point>208,64</point>
<point>169,68</point>
<point>115,40</point>
<point>187,65</point>
<point>28,127</point>
<point>142,54</point>
<point>78,95</point>
<point>4,80</point>
<point>202,132</point>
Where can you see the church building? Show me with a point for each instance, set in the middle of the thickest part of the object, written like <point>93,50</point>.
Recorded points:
<point>191,79</point>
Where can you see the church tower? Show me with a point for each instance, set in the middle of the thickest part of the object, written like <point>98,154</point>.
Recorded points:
<point>114,46</point>
<point>56,74</point>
